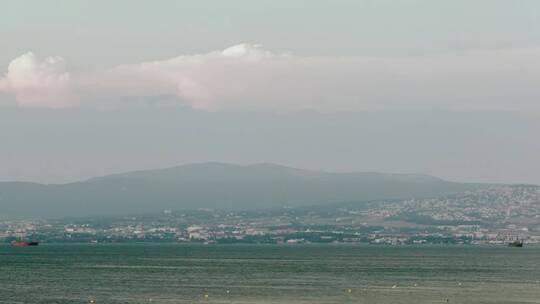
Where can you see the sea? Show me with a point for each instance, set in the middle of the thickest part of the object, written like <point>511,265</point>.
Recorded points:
<point>186,273</point>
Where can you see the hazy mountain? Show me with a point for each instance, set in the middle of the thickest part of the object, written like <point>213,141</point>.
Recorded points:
<point>213,185</point>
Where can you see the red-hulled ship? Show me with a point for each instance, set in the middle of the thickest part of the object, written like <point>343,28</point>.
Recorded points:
<point>21,244</point>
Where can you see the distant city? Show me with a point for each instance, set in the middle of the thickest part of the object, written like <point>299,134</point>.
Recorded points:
<point>487,215</point>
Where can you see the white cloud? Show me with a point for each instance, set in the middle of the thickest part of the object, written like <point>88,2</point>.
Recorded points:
<point>214,80</point>
<point>249,76</point>
<point>37,83</point>
<point>246,75</point>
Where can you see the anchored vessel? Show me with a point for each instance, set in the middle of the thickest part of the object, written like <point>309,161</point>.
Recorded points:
<point>516,243</point>
<point>20,243</point>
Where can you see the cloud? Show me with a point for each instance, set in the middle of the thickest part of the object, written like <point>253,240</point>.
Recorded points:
<point>215,80</point>
<point>37,83</point>
<point>248,76</point>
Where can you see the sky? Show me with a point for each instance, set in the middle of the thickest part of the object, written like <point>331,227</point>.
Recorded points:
<point>448,88</point>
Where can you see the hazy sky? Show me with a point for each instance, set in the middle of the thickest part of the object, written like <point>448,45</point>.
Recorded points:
<point>448,88</point>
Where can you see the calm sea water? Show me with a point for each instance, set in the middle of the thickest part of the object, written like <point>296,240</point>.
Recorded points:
<point>268,274</point>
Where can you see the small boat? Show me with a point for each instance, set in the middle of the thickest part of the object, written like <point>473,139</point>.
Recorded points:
<point>23,244</point>
<point>516,243</point>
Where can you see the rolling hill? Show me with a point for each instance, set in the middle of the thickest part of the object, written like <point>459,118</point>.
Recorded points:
<point>214,185</point>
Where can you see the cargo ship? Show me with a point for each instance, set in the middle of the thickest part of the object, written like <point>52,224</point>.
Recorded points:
<point>23,244</point>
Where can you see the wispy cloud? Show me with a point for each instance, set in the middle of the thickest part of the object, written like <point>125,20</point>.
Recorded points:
<point>249,76</point>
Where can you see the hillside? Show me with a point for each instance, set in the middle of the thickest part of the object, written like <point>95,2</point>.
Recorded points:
<point>213,185</point>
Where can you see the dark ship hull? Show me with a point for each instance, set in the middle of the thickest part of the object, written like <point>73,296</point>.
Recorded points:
<point>23,244</point>
<point>516,244</point>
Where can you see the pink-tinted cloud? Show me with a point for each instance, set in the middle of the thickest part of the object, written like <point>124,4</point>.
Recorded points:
<point>37,82</point>
<point>249,76</point>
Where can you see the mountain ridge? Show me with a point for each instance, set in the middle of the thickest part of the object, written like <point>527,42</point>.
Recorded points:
<point>264,165</point>
<point>214,185</point>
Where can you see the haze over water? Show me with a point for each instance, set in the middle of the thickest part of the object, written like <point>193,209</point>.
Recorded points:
<point>155,273</point>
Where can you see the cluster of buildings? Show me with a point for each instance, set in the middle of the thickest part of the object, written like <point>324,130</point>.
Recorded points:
<point>488,215</point>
